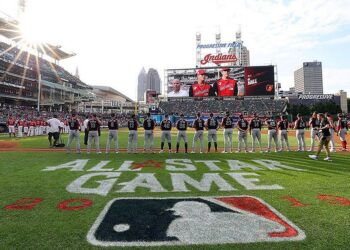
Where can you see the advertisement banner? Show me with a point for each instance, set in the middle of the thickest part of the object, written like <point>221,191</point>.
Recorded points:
<point>241,81</point>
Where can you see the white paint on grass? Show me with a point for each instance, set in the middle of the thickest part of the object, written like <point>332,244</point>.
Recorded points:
<point>102,189</point>
<point>275,165</point>
<point>77,165</point>
<point>248,183</point>
<point>179,165</point>
<point>238,165</point>
<point>148,181</point>
<point>179,181</point>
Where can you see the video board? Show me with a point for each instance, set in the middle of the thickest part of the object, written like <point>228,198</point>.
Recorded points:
<point>242,81</point>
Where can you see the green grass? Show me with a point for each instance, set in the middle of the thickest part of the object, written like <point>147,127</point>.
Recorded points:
<point>326,225</point>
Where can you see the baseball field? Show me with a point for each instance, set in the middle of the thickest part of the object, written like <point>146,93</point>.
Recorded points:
<point>53,200</point>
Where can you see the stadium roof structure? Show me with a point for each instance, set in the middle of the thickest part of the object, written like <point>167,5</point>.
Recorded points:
<point>113,91</point>
<point>10,29</point>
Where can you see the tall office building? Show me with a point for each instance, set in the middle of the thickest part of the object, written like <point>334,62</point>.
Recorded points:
<point>141,86</point>
<point>343,100</point>
<point>308,79</point>
<point>241,52</point>
<point>153,80</point>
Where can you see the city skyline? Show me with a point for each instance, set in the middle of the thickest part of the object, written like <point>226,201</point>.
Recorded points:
<point>113,40</point>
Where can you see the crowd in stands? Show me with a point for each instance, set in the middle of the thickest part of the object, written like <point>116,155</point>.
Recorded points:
<point>262,107</point>
<point>26,65</point>
<point>29,114</point>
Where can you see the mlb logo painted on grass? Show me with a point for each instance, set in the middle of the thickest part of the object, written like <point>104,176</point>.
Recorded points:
<point>185,221</point>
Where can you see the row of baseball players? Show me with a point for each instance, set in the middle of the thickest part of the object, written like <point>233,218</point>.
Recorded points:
<point>253,127</point>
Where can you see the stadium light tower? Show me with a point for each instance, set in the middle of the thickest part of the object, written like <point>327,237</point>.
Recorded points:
<point>218,41</point>
<point>239,48</point>
<point>22,4</point>
<point>198,50</point>
<point>39,91</point>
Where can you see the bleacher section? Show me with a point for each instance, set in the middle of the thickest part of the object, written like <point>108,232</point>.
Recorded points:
<point>190,106</point>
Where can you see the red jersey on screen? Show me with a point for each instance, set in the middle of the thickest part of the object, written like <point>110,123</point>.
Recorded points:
<point>201,89</point>
<point>225,87</point>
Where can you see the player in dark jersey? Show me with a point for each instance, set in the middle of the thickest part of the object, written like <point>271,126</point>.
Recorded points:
<point>282,126</point>
<point>165,126</point>
<point>132,137</point>
<point>198,125</point>
<point>255,131</point>
<point>181,126</point>
<point>113,127</point>
<point>93,126</point>
<point>148,125</point>
<point>324,135</point>
<point>299,127</point>
<point>242,126</point>
<point>212,126</point>
<point>271,134</point>
<point>74,128</point>
<point>227,124</point>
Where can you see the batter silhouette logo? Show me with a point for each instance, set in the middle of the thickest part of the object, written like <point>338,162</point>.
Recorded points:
<point>185,221</point>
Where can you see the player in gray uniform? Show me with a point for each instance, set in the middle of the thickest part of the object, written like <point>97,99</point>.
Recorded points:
<point>198,125</point>
<point>181,126</point>
<point>132,137</point>
<point>242,126</point>
<point>165,126</point>
<point>255,132</point>
<point>74,128</point>
<point>271,134</point>
<point>283,132</point>
<point>212,126</point>
<point>299,127</point>
<point>113,127</point>
<point>331,130</point>
<point>314,124</point>
<point>93,126</point>
<point>342,128</point>
<point>227,124</point>
<point>148,125</point>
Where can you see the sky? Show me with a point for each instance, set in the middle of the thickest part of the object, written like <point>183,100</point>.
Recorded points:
<point>114,39</point>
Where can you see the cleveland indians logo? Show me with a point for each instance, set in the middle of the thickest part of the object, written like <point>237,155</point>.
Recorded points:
<point>184,221</point>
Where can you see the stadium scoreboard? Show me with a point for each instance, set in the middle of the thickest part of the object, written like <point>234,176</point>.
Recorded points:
<point>250,81</point>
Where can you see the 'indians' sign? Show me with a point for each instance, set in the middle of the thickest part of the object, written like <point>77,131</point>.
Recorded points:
<point>218,59</point>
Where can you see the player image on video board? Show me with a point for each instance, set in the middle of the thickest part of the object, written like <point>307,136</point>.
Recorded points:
<point>222,82</point>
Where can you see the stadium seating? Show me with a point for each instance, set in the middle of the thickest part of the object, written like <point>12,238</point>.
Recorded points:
<point>191,106</point>
<point>49,71</point>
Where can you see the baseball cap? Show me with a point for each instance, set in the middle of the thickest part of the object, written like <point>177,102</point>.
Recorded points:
<point>227,112</point>
<point>201,72</point>
<point>181,115</point>
<point>225,69</point>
